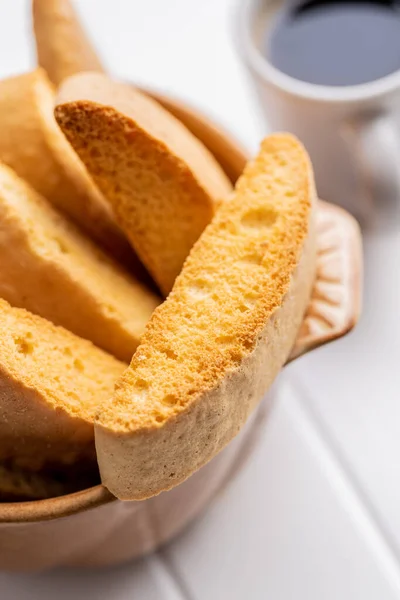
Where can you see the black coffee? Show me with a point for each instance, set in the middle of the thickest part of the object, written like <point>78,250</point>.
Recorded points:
<point>336,42</point>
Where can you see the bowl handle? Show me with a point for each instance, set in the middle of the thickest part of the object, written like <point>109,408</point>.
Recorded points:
<point>335,302</point>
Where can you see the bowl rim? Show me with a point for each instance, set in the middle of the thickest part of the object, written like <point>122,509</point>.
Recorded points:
<point>89,498</point>
<point>54,508</point>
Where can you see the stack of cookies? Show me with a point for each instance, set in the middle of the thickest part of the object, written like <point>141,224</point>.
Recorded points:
<point>145,305</point>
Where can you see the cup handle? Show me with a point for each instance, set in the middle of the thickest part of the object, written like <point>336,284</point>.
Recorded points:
<point>335,302</point>
<point>375,142</point>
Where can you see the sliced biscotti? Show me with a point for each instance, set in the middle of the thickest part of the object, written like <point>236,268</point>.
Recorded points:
<point>51,385</point>
<point>63,47</point>
<point>32,144</point>
<point>162,183</point>
<point>50,268</point>
<point>213,348</point>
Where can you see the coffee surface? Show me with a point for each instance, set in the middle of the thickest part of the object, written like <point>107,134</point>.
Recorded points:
<point>336,43</point>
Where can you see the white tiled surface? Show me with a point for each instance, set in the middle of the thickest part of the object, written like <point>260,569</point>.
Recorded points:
<point>316,514</point>
<point>353,388</point>
<point>291,526</point>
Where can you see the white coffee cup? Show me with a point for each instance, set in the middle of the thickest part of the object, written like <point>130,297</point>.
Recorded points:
<point>351,132</point>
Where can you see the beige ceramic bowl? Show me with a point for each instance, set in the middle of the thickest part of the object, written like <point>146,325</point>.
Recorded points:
<point>91,528</point>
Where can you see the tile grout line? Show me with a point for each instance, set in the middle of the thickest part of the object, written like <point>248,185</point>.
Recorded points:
<point>343,476</point>
<point>181,588</point>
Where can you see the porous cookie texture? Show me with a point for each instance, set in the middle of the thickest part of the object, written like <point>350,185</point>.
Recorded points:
<point>50,268</point>
<point>51,385</point>
<point>63,47</point>
<point>213,348</point>
<point>32,144</point>
<point>162,183</point>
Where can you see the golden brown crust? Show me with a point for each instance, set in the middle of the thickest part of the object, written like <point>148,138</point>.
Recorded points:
<point>32,144</point>
<point>215,345</point>
<point>63,47</point>
<point>162,183</point>
<point>51,384</point>
<point>51,269</point>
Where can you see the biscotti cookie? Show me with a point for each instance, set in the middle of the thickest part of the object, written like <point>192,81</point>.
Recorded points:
<point>51,386</point>
<point>32,144</point>
<point>213,348</point>
<point>50,268</point>
<point>63,47</point>
<point>162,183</point>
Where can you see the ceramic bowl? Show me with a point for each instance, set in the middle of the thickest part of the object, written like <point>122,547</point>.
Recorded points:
<point>91,528</point>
